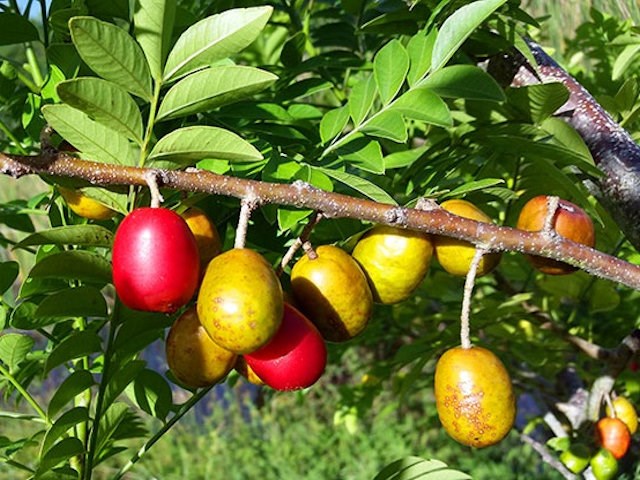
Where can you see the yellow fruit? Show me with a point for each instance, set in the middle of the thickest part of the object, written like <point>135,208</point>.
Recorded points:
<point>247,372</point>
<point>455,255</point>
<point>333,292</point>
<point>626,412</point>
<point>84,206</point>
<point>395,261</point>
<point>474,397</point>
<point>205,232</point>
<point>195,359</point>
<point>240,300</point>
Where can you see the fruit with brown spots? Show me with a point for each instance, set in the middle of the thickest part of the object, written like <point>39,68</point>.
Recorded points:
<point>332,291</point>
<point>454,255</point>
<point>240,300</point>
<point>474,397</point>
<point>195,359</point>
<point>569,221</point>
<point>395,261</point>
<point>205,233</point>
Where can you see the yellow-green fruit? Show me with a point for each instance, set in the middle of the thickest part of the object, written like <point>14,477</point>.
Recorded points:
<point>84,206</point>
<point>576,457</point>
<point>240,300</point>
<point>474,397</point>
<point>455,256</point>
<point>626,412</point>
<point>604,465</point>
<point>333,292</point>
<point>394,260</point>
<point>195,359</point>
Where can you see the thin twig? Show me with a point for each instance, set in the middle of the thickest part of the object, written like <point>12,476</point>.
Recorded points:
<point>151,177</point>
<point>465,341</point>
<point>247,206</point>
<point>548,457</point>
<point>295,246</point>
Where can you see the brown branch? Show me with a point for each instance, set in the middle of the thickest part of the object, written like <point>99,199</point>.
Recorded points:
<point>302,195</point>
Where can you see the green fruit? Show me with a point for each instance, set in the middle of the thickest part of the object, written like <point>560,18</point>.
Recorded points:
<point>474,397</point>
<point>332,292</point>
<point>395,261</point>
<point>576,457</point>
<point>240,301</point>
<point>604,465</point>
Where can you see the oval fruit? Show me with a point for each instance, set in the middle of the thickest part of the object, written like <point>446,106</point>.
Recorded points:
<point>604,465</point>
<point>240,300</point>
<point>155,261</point>
<point>195,359</point>
<point>454,255</point>
<point>576,457</point>
<point>569,221</point>
<point>84,206</point>
<point>613,434</point>
<point>295,357</point>
<point>474,397</point>
<point>395,261</point>
<point>205,233</point>
<point>625,411</point>
<point>247,372</point>
<point>333,292</point>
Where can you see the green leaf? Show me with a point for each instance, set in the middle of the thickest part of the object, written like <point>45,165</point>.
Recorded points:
<point>538,102</point>
<point>112,199</point>
<point>215,38</point>
<point>109,423</point>
<point>457,28</point>
<point>388,124</point>
<point>78,344</point>
<point>73,265</point>
<point>67,420</point>
<point>154,20</point>
<point>15,28</point>
<point>403,158</point>
<point>211,88</point>
<point>60,452</point>
<point>14,347</point>
<point>361,99</point>
<point>415,468</point>
<point>152,394</point>
<point>622,62</point>
<point>464,81</point>
<point>420,47</point>
<point>110,52</point>
<point>8,273</point>
<point>359,184</point>
<point>106,103</point>
<point>473,186</point>
<point>185,146</point>
<point>83,235</point>
<point>363,153</point>
<point>72,386</point>
<point>93,139</point>
<point>390,67</point>
<point>83,301</point>
<point>423,105</point>
<point>333,123</point>
<point>566,135</point>
<point>119,380</point>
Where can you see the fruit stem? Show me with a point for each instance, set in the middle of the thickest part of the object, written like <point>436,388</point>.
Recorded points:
<point>552,206</point>
<point>308,249</point>
<point>465,341</point>
<point>247,206</point>
<point>607,400</point>
<point>151,177</point>
<point>304,236</point>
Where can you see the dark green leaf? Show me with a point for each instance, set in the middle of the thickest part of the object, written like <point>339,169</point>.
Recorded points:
<point>15,28</point>
<point>214,38</point>
<point>390,67</point>
<point>109,423</point>
<point>359,184</point>
<point>538,102</point>
<point>387,124</point>
<point>77,345</point>
<point>110,52</point>
<point>60,452</point>
<point>333,123</point>
<point>84,301</point>
<point>424,105</point>
<point>8,273</point>
<point>119,380</point>
<point>464,81</point>
<point>14,347</point>
<point>83,235</point>
<point>67,420</point>
<point>415,468</point>
<point>152,394</point>
<point>73,385</point>
<point>154,20</point>
<point>361,99</point>
<point>73,265</point>
<point>363,153</point>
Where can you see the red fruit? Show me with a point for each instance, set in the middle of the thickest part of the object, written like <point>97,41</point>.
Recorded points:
<point>155,261</point>
<point>613,434</point>
<point>294,358</point>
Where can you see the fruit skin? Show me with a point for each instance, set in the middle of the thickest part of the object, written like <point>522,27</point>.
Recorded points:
<point>84,206</point>
<point>195,359</point>
<point>626,412</point>
<point>474,397</point>
<point>576,457</point>
<point>604,465</point>
<point>155,261</point>
<point>569,221</point>
<point>240,300</point>
<point>205,233</point>
<point>333,292</point>
<point>613,435</point>
<point>247,372</point>
<point>295,357</point>
<point>454,255</point>
<point>395,261</point>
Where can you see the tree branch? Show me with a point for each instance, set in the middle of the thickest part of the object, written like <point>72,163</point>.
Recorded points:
<point>302,195</point>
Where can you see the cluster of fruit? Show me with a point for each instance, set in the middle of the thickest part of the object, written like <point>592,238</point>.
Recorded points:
<point>242,320</point>
<point>611,443</point>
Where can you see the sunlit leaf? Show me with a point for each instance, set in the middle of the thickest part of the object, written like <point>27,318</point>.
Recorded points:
<point>359,184</point>
<point>424,105</point>
<point>333,123</point>
<point>361,99</point>
<point>364,153</point>
<point>14,347</point>
<point>388,124</point>
<point>390,67</point>
<point>464,81</point>
<point>153,21</point>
